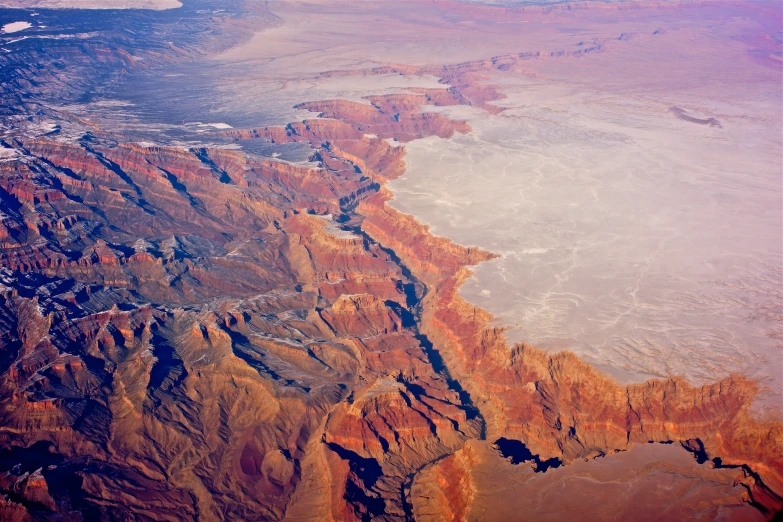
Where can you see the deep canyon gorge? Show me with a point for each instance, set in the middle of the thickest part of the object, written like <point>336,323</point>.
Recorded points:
<point>217,303</point>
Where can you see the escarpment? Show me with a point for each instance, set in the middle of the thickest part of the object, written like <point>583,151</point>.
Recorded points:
<point>205,334</point>
<point>193,328</point>
<point>559,407</point>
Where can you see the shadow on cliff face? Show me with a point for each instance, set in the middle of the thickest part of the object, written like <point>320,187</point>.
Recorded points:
<point>168,368</point>
<point>63,480</point>
<point>366,473</point>
<point>517,453</point>
<point>39,455</point>
<point>759,497</point>
<point>407,318</point>
<point>414,294</point>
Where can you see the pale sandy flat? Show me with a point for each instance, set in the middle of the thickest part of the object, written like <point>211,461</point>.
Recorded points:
<point>15,27</point>
<point>633,192</point>
<point>648,244</point>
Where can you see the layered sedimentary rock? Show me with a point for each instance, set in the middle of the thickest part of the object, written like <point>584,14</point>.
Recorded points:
<point>647,482</point>
<point>201,333</point>
<point>559,407</point>
<point>181,330</point>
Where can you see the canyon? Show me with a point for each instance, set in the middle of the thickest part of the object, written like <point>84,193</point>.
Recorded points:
<point>197,329</point>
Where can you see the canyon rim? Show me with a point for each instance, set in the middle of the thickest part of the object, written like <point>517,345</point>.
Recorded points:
<point>370,260</point>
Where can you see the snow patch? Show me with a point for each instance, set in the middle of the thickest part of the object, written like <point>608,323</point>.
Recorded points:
<point>15,27</point>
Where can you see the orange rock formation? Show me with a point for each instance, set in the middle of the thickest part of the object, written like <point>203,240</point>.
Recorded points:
<point>188,336</point>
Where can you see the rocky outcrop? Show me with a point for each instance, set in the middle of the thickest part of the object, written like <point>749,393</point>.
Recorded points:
<point>203,362</point>
<point>556,405</point>
<point>206,334</point>
<point>654,481</point>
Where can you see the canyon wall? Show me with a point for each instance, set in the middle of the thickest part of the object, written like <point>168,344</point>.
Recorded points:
<point>197,333</point>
